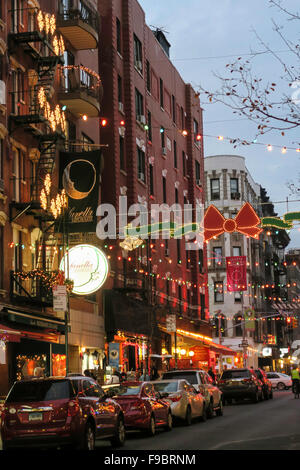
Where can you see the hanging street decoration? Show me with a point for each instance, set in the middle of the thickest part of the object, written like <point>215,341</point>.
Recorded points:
<point>236,271</point>
<point>286,222</point>
<point>245,222</point>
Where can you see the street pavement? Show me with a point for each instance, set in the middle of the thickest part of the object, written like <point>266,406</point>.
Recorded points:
<point>267,425</point>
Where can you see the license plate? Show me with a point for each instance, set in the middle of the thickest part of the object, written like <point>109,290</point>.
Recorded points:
<point>35,416</point>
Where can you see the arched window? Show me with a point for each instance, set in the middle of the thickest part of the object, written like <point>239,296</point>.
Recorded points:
<point>238,324</point>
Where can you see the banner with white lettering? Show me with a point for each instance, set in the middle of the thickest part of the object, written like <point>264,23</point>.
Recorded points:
<point>79,175</point>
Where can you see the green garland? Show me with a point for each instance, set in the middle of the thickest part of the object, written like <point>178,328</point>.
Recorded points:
<point>49,280</point>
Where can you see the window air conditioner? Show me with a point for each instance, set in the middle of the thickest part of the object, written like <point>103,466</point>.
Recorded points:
<point>121,107</point>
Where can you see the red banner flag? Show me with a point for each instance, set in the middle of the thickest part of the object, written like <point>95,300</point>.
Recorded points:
<point>236,268</point>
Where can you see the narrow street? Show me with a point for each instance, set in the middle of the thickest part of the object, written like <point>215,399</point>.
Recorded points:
<point>268,425</point>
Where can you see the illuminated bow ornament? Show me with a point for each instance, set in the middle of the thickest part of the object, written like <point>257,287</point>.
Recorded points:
<point>245,222</point>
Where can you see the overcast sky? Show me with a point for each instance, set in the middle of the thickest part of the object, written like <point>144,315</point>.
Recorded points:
<point>200,32</point>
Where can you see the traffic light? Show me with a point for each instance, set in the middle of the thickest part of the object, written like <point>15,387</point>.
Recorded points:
<point>295,322</point>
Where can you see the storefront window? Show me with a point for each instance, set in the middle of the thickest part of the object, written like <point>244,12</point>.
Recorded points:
<point>59,365</point>
<point>27,364</point>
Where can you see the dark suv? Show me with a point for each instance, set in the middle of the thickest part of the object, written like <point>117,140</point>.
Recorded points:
<point>59,411</point>
<point>267,385</point>
<point>240,383</point>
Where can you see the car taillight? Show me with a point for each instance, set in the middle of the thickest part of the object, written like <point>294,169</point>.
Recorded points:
<point>174,398</point>
<point>73,408</point>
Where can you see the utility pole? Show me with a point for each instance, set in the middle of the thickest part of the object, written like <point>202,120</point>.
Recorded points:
<point>220,342</point>
<point>244,342</point>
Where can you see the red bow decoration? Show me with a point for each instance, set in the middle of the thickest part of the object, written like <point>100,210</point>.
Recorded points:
<point>245,222</point>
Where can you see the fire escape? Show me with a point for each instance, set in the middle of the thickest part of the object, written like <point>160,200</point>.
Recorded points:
<point>34,112</point>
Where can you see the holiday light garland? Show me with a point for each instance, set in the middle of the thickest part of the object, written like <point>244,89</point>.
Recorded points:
<point>49,280</point>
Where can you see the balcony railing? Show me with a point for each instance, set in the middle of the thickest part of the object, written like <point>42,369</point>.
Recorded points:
<point>80,24</point>
<point>29,291</point>
<point>81,90</point>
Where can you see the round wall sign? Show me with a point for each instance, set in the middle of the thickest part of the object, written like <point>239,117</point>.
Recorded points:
<point>87,267</point>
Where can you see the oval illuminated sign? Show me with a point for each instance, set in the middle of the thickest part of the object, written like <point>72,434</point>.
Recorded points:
<point>87,267</point>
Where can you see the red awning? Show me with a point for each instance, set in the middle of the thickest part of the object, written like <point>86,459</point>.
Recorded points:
<point>10,335</point>
<point>219,348</point>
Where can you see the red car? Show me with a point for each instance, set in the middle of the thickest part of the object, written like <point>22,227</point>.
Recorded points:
<point>60,411</point>
<point>142,406</point>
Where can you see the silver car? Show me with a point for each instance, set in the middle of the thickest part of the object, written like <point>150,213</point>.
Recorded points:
<point>186,402</point>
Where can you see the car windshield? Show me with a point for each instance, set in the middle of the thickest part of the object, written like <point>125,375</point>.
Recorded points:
<point>188,376</point>
<point>235,374</point>
<point>34,391</point>
<point>166,387</point>
<point>124,390</point>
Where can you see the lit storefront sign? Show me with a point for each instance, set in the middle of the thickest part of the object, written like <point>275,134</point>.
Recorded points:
<point>267,352</point>
<point>87,267</point>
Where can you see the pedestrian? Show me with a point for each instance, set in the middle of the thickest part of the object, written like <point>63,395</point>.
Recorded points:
<point>296,380</point>
<point>212,375</point>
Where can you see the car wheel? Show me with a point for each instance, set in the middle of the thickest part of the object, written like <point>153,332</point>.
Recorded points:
<point>203,418</point>
<point>88,442</point>
<point>280,386</point>
<point>169,425</point>
<point>188,416</point>
<point>119,439</point>
<point>151,429</point>
<point>210,410</point>
<point>219,411</point>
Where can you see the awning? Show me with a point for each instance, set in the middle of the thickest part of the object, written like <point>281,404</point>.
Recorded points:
<point>222,349</point>
<point>126,314</point>
<point>27,320</point>
<point>9,334</point>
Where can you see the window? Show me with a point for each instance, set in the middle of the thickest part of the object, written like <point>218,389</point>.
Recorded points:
<point>237,297</point>
<point>178,251</point>
<point>234,188</point>
<point>138,54</point>
<point>183,163</point>
<point>120,89</point>
<point>162,136</point>
<point>139,105</point>
<point>237,251</point>
<point>214,189</point>
<point>219,292</point>
<point>87,143</point>
<point>149,126</point>
<point>119,41</point>
<point>16,175</point>
<point>198,173</point>
<point>151,180</point>
<point>200,260</point>
<point>148,71</point>
<point>174,109</point>
<point>220,321</point>
<point>175,154</point>
<point>122,153</point>
<point>161,92</point>
<point>164,183</point>
<point>217,255</point>
<point>202,304</point>
<point>182,118</point>
<point>176,196</point>
<point>196,130</point>
<point>238,324</point>
<point>141,165</point>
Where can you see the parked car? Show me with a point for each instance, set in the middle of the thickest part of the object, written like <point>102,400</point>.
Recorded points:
<point>279,380</point>
<point>203,383</point>
<point>185,401</point>
<point>266,384</point>
<point>143,408</point>
<point>59,411</point>
<point>239,384</point>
